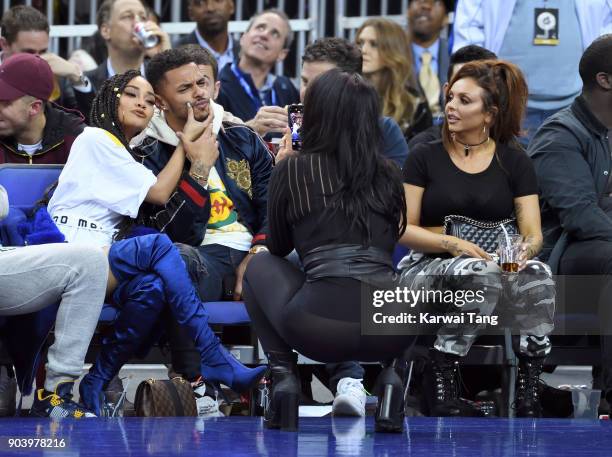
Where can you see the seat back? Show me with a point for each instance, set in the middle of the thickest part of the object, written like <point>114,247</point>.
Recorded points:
<point>26,184</point>
<point>398,254</point>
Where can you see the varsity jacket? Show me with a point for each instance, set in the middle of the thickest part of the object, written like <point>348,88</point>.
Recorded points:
<point>244,165</point>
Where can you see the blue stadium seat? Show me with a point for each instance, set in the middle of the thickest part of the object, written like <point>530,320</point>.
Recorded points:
<point>221,313</point>
<point>227,312</point>
<point>399,253</point>
<point>26,184</point>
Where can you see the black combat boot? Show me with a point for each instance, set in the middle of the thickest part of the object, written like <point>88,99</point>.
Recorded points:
<point>527,396</point>
<point>441,384</point>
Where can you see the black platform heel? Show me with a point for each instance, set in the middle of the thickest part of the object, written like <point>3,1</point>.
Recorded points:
<point>390,410</point>
<point>282,400</point>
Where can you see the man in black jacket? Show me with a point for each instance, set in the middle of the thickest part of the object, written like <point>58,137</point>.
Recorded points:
<point>218,212</point>
<point>426,21</point>
<point>249,89</point>
<point>116,20</point>
<point>572,155</point>
<point>211,32</point>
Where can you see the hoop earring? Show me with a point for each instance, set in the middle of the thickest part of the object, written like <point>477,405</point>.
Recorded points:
<point>485,131</point>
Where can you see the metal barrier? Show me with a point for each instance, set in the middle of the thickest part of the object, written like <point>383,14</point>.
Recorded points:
<point>305,22</point>
<point>346,26</point>
<point>309,20</point>
<point>301,27</point>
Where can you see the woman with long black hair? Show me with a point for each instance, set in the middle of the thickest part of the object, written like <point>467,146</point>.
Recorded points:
<point>340,204</point>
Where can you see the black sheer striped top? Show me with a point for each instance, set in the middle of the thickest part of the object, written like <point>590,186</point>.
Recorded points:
<point>302,213</point>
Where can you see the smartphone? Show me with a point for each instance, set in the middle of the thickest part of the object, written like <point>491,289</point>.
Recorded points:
<point>296,114</point>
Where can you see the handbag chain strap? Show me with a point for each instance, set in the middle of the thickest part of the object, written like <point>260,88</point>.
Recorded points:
<point>448,220</point>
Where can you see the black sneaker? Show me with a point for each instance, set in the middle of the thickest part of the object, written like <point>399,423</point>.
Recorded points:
<point>58,403</point>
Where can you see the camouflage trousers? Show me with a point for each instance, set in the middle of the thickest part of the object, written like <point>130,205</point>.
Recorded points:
<point>523,302</point>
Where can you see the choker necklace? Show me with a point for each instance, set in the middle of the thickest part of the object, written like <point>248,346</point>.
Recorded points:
<point>467,147</point>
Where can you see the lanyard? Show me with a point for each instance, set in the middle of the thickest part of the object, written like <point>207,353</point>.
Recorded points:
<point>257,100</point>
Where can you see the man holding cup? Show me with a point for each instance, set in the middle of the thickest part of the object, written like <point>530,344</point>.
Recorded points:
<point>124,25</point>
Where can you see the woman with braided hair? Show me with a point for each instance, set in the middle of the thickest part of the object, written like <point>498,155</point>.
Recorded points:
<point>102,180</point>
<point>102,184</point>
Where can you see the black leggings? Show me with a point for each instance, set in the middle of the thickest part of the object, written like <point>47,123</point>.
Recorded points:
<point>319,319</point>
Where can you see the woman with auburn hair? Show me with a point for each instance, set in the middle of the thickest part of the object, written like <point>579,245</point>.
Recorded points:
<point>387,63</point>
<point>479,171</point>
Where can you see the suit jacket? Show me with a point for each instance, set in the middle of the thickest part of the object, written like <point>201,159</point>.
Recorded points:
<point>97,76</point>
<point>443,61</point>
<point>234,99</point>
<point>193,39</point>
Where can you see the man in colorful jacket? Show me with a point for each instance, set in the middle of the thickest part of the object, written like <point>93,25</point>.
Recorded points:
<point>218,212</point>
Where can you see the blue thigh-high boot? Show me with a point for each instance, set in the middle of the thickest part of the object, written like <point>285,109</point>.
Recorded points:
<point>157,254</point>
<point>142,300</point>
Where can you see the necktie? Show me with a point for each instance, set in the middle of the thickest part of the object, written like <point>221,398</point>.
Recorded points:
<point>430,83</point>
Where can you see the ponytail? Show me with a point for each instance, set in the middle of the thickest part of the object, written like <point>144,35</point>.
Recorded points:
<point>504,96</point>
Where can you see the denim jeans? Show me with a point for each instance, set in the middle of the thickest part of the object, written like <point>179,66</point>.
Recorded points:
<point>532,122</point>
<point>337,371</point>
<point>207,266</point>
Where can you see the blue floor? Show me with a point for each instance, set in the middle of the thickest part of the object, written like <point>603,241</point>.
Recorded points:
<point>242,436</point>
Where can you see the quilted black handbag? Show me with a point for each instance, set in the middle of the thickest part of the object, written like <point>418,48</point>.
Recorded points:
<point>482,234</point>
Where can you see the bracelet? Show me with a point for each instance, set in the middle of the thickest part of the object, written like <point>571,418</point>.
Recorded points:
<point>197,177</point>
<point>202,181</point>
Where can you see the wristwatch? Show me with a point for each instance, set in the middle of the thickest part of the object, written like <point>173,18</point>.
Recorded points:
<point>258,248</point>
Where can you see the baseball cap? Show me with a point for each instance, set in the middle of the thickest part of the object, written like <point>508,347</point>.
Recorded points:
<point>25,74</point>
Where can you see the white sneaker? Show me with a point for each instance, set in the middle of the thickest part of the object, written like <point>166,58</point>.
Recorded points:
<point>206,405</point>
<point>350,398</point>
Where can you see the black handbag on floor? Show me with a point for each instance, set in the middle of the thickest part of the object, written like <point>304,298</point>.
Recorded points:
<point>482,234</point>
